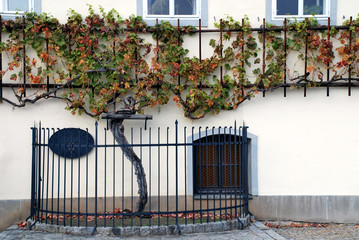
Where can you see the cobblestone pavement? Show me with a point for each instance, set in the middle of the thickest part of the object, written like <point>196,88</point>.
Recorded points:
<point>289,230</point>
<point>256,231</point>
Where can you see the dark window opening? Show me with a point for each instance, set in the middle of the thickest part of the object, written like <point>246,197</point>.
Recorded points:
<point>218,165</point>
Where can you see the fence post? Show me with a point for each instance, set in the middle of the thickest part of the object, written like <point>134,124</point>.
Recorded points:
<point>33,193</point>
<point>38,168</point>
<point>176,172</point>
<point>245,166</point>
<point>96,152</point>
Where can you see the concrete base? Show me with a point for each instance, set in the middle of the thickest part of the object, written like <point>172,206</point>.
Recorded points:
<point>336,209</point>
<point>13,211</point>
<point>147,230</point>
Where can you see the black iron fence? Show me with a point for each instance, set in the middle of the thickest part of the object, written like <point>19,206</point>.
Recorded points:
<point>193,176</point>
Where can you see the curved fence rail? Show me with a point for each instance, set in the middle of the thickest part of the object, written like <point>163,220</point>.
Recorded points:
<point>193,176</point>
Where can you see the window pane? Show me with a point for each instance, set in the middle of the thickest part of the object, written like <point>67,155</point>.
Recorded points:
<point>287,7</point>
<point>313,7</point>
<point>185,7</point>
<point>158,7</point>
<point>18,5</point>
<point>207,166</point>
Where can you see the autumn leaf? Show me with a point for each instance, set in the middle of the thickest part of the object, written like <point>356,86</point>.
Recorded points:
<point>176,98</point>
<point>210,103</point>
<point>310,68</point>
<point>34,61</point>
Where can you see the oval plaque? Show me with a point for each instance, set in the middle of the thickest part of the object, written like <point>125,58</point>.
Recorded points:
<point>71,142</point>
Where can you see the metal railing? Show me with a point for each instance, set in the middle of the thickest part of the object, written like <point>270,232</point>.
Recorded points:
<point>193,176</point>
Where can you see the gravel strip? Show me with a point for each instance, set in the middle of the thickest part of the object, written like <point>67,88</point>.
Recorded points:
<point>297,230</point>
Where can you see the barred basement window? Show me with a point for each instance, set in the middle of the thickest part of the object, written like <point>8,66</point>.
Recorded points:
<point>218,165</point>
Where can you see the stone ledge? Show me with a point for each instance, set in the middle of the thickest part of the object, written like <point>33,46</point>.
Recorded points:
<point>146,230</point>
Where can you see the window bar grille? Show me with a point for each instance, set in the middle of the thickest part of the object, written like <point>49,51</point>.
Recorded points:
<point>285,55</point>
<point>328,65</point>
<point>264,55</point>
<point>24,53</point>
<point>350,65</point>
<point>306,59</point>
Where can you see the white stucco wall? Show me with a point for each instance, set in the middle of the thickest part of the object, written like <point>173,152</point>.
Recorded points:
<point>306,146</point>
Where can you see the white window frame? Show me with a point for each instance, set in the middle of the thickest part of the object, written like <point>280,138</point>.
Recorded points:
<point>171,14</point>
<point>4,8</point>
<point>330,10</point>
<point>201,13</point>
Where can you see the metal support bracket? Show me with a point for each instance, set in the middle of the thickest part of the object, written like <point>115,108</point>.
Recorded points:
<point>127,116</point>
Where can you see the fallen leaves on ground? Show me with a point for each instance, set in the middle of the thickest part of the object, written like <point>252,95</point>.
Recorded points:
<point>295,225</point>
<point>22,225</point>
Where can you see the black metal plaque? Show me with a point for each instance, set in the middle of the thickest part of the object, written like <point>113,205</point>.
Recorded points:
<point>71,142</point>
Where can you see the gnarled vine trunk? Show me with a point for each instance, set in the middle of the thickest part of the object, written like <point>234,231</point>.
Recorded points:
<point>117,129</point>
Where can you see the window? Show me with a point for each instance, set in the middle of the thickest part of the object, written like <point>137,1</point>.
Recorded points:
<point>9,8</point>
<point>277,10</point>
<point>218,165</point>
<point>223,162</point>
<point>188,11</point>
